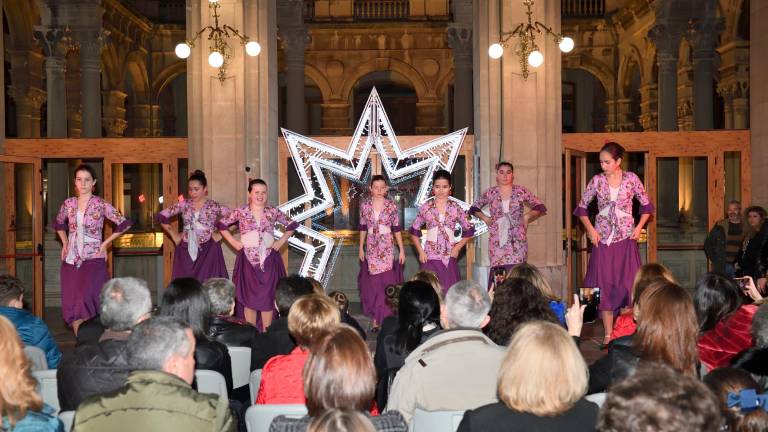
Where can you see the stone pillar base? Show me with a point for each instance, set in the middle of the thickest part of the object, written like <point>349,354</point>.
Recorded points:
<point>336,119</point>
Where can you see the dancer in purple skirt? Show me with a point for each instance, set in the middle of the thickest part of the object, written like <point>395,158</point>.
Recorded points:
<point>198,252</point>
<point>80,225</point>
<point>441,215</point>
<point>615,258</point>
<point>508,222</point>
<point>379,223</point>
<point>258,266</point>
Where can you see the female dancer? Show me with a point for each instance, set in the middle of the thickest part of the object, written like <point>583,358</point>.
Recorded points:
<point>198,253</point>
<point>615,257</point>
<point>84,251</point>
<point>258,266</point>
<point>441,215</point>
<point>378,221</point>
<point>507,222</point>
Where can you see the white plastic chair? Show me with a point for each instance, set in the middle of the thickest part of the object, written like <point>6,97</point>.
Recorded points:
<point>259,417</point>
<point>37,357</point>
<point>253,384</point>
<point>47,387</point>
<point>435,421</point>
<point>68,418</point>
<point>241,365</point>
<point>596,398</point>
<point>209,381</point>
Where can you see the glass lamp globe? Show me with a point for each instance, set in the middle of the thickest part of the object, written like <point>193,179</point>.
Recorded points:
<point>535,58</point>
<point>215,59</point>
<point>252,48</point>
<point>495,51</point>
<point>183,50</point>
<point>566,45</point>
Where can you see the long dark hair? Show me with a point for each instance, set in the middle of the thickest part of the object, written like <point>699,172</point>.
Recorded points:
<point>715,298</point>
<point>185,300</point>
<point>515,302</point>
<point>418,306</point>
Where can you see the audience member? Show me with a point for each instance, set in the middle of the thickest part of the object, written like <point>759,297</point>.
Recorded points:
<point>666,334</point>
<point>541,386</point>
<point>21,408</point>
<point>342,302</point>
<point>337,420</point>
<point>431,278</point>
<point>339,374</point>
<point>100,368</point>
<point>725,322</point>
<point>31,329</point>
<point>753,256</point>
<point>281,379</point>
<point>533,275</point>
<point>727,384</point>
<point>457,367</point>
<point>724,241</point>
<point>185,300</point>
<point>659,399</point>
<point>417,319</point>
<point>224,327</point>
<point>515,302</point>
<point>157,396</point>
<point>276,340</point>
<point>755,359</point>
<point>626,324</point>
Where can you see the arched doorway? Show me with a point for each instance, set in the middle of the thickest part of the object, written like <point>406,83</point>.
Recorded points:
<point>396,93</point>
<point>584,102</point>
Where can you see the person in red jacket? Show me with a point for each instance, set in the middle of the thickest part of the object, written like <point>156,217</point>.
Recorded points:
<point>281,377</point>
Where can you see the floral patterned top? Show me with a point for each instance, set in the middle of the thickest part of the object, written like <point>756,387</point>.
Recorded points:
<point>257,235</point>
<point>441,228</point>
<point>507,243</point>
<point>85,229</point>
<point>379,251</point>
<point>196,223</point>
<point>614,221</point>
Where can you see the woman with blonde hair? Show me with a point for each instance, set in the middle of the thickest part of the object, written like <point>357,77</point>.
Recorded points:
<point>541,386</point>
<point>431,278</point>
<point>21,408</point>
<point>532,274</point>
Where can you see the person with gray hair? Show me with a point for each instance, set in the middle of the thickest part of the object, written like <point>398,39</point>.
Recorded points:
<point>755,359</point>
<point>224,327</point>
<point>102,367</point>
<point>456,368</point>
<point>158,395</point>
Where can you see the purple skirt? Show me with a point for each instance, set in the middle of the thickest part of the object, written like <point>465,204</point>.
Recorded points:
<point>81,288</point>
<point>505,267</point>
<point>612,269</point>
<point>448,275</point>
<point>372,290</point>
<point>209,262</point>
<point>255,289</point>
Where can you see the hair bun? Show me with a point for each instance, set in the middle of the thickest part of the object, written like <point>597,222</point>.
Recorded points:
<point>198,172</point>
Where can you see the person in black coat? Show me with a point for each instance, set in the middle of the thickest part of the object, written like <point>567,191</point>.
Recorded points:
<point>753,256</point>
<point>755,359</point>
<point>541,386</point>
<point>224,327</point>
<point>102,367</point>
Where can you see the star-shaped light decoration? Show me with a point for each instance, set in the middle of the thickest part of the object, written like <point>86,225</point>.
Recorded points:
<point>373,130</point>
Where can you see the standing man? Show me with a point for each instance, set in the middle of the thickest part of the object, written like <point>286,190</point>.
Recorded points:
<point>724,241</point>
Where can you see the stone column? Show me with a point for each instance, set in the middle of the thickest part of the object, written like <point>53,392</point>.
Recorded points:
<point>667,39</point>
<point>26,90</point>
<point>90,82</point>
<point>459,37</point>
<point>55,43</point>
<point>294,38</point>
<point>703,40</point>
<point>113,118</point>
<point>515,119</point>
<point>74,111</point>
<point>685,95</point>
<point>649,114</point>
<point>734,80</point>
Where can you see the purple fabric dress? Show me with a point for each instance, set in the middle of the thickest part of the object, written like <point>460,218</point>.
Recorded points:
<point>84,270</point>
<point>615,259</point>
<point>440,239</point>
<point>198,255</point>
<point>380,267</point>
<point>507,242</point>
<point>258,267</point>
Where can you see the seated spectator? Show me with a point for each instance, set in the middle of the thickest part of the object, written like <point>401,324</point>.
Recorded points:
<point>158,396</point>
<point>666,334</point>
<point>224,327</point>
<point>431,278</point>
<point>185,300</point>
<point>625,324</point>
<point>339,374</point>
<point>342,302</point>
<point>727,384</point>
<point>725,322</point>
<point>337,420</point>
<point>418,318</point>
<point>21,408</point>
<point>100,368</point>
<point>281,381</point>
<point>456,368</point>
<point>276,340</point>
<point>515,302</point>
<point>31,329</point>
<point>541,386</point>
<point>533,275</point>
<point>755,359</point>
<point>659,399</point>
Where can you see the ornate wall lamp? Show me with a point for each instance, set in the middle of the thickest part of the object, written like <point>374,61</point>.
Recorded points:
<point>221,52</point>
<point>527,50</point>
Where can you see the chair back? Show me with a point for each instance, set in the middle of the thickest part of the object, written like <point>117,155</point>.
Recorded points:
<point>241,365</point>
<point>596,398</point>
<point>435,421</point>
<point>47,387</point>
<point>259,417</point>
<point>68,418</point>
<point>209,381</point>
<point>253,384</point>
<point>37,357</point>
